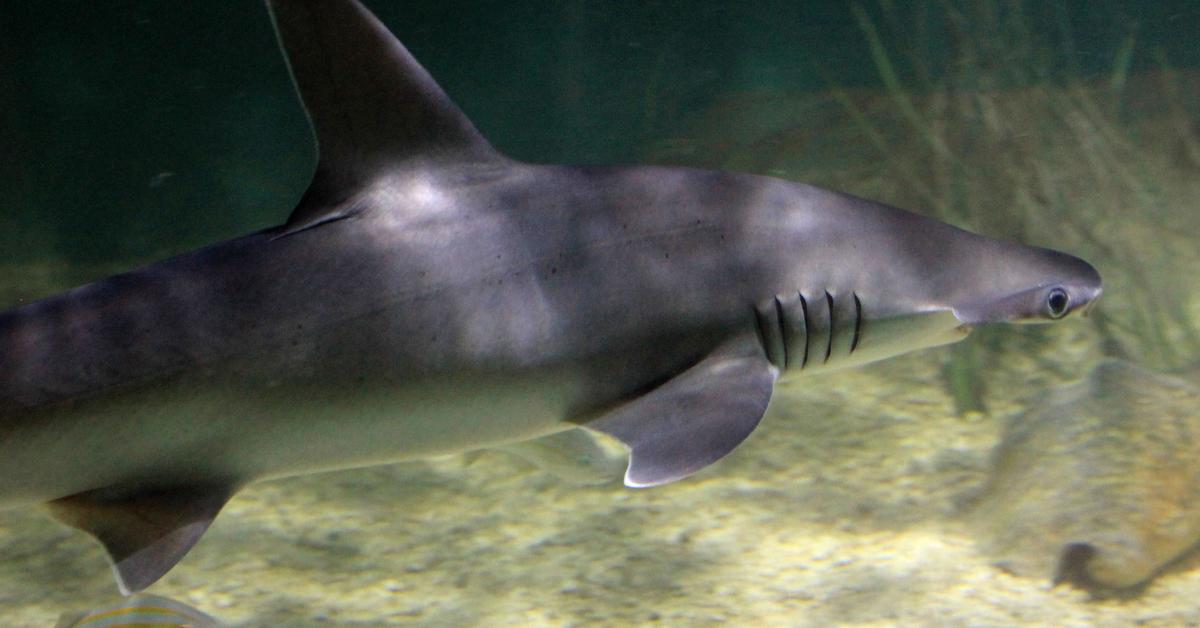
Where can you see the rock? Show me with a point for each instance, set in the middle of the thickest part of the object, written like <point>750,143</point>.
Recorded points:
<point>1098,483</point>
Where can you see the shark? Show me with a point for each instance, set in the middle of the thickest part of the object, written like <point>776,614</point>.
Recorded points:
<point>430,295</point>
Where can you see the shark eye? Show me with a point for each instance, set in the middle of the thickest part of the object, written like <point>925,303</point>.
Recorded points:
<point>1057,302</point>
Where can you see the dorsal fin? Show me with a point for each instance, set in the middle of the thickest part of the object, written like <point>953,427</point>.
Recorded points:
<point>371,105</point>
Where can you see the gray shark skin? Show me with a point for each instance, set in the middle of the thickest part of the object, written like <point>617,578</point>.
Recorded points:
<point>430,295</point>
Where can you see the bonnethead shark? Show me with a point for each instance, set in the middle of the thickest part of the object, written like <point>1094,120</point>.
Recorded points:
<point>430,295</point>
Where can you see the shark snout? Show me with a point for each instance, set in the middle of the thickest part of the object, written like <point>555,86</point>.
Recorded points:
<point>1085,290</point>
<point>1043,304</point>
<point>1034,286</point>
<point>1085,308</point>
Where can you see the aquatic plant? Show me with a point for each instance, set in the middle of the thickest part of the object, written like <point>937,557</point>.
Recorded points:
<point>1013,139</point>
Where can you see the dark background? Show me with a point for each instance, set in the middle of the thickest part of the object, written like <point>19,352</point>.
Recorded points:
<point>131,129</point>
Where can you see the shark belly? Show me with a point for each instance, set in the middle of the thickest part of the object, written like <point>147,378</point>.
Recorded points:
<point>211,427</point>
<point>384,422</point>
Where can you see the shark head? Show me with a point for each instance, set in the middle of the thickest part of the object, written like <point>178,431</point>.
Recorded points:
<point>1024,284</point>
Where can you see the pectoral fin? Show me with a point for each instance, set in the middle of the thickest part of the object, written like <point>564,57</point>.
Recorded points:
<point>696,418</point>
<point>146,533</point>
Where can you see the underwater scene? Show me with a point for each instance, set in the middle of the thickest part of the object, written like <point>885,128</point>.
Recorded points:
<point>928,456</point>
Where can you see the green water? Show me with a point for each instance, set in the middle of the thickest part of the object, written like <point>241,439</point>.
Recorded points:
<point>134,130</point>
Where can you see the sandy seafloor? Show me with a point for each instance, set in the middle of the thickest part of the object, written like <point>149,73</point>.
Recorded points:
<point>840,510</point>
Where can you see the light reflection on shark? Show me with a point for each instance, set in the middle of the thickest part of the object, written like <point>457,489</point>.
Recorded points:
<point>430,295</point>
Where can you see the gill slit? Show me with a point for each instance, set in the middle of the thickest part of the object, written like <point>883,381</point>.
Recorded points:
<point>807,329</point>
<point>761,331</point>
<point>829,346</point>
<point>857,322</point>
<point>783,332</point>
